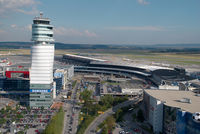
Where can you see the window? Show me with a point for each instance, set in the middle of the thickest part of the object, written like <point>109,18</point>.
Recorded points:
<point>43,27</point>
<point>40,22</point>
<point>50,35</point>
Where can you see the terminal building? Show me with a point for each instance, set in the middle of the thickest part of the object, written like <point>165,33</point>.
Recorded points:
<point>172,112</point>
<point>42,54</point>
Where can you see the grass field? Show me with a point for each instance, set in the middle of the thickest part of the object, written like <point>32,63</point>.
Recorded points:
<point>56,124</point>
<point>172,58</point>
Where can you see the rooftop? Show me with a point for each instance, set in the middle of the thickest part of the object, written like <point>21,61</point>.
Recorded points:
<point>172,98</point>
<point>83,57</point>
<point>41,17</point>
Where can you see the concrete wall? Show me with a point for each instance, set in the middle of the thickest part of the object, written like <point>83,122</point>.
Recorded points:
<point>155,115</point>
<point>168,87</point>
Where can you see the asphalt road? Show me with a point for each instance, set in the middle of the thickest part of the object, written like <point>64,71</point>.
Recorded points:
<point>71,116</point>
<point>129,125</point>
<point>98,120</point>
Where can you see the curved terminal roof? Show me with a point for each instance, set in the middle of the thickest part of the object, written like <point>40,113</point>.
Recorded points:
<point>106,69</point>
<point>84,58</point>
<point>173,75</point>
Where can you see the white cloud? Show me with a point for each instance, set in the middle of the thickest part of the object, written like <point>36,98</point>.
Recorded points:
<point>28,27</point>
<point>62,31</point>
<point>23,6</point>
<point>13,26</point>
<point>67,32</point>
<point>34,11</point>
<point>21,28</point>
<point>142,28</point>
<point>90,34</point>
<point>143,2</point>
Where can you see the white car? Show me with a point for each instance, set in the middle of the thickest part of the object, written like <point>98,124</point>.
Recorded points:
<point>196,117</point>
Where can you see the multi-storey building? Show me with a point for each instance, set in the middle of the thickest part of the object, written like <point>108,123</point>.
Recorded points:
<point>172,112</point>
<point>42,54</point>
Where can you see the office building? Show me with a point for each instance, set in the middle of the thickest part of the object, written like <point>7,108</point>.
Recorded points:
<point>42,54</point>
<point>172,112</point>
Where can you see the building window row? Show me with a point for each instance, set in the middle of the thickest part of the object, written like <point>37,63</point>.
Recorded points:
<point>39,100</point>
<point>40,22</point>
<point>43,27</point>
<point>35,96</point>
<point>50,35</point>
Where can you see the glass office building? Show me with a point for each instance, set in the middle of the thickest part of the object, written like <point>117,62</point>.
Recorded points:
<point>42,54</point>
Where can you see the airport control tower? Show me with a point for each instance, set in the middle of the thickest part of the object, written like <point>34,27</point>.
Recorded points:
<point>42,54</point>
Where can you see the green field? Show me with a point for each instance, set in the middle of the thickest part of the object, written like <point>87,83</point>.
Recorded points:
<point>55,126</point>
<point>180,58</point>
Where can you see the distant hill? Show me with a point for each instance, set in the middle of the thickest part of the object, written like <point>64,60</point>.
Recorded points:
<point>15,45</point>
<point>27,45</point>
<point>178,45</point>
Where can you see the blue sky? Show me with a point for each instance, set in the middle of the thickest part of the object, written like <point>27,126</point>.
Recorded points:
<point>105,21</point>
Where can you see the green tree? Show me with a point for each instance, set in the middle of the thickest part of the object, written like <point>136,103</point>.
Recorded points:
<point>20,132</point>
<point>107,100</point>
<point>13,118</point>
<point>26,127</point>
<point>8,108</point>
<point>104,130</point>
<point>35,116</point>
<point>110,122</point>
<point>94,108</point>
<point>3,111</point>
<point>19,116</point>
<point>28,108</point>
<point>42,108</point>
<point>2,121</point>
<point>86,95</point>
<point>118,115</point>
<point>118,100</point>
<point>17,107</point>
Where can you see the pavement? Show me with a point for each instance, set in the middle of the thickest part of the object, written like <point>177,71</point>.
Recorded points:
<point>98,120</point>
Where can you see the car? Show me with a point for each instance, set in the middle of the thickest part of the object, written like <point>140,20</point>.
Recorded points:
<point>130,109</point>
<point>122,132</point>
<point>136,130</point>
<point>196,117</point>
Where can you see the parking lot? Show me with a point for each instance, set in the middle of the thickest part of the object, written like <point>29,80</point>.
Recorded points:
<point>23,119</point>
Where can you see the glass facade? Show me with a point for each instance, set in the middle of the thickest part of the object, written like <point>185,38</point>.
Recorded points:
<point>40,98</point>
<point>186,124</point>
<point>169,120</point>
<point>16,89</point>
<point>177,121</point>
<point>15,85</point>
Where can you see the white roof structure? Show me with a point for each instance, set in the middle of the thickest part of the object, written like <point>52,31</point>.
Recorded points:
<point>173,99</point>
<point>87,58</point>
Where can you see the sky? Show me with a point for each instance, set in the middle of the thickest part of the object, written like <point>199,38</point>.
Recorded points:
<point>105,21</point>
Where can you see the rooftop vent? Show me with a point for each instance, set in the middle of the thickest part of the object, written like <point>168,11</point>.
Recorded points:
<point>185,100</point>
<point>197,95</point>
